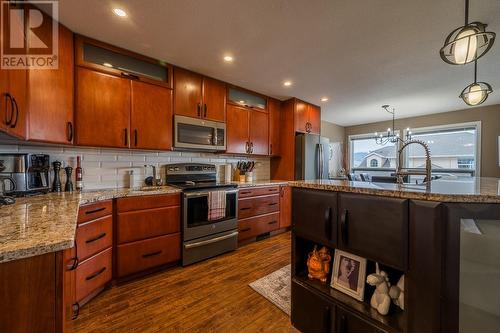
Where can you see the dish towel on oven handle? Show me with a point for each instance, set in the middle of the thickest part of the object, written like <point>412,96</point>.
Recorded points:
<point>216,205</point>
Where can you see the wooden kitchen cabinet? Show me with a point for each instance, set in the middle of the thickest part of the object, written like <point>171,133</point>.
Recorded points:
<point>383,237</point>
<point>320,207</point>
<point>50,92</point>
<point>199,97</point>
<point>285,206</point>
<point>274,107</point>
<point>13,83</point>
<point>307,117</point>
<point>151,116</point>
<point>247,131</point>
<point>102,109</point>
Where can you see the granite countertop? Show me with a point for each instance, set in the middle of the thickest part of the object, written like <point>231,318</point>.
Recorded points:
<point>475,190</point>
<point>47,223</point>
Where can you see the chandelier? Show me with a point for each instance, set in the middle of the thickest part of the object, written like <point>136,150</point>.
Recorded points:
<point>391,136</point>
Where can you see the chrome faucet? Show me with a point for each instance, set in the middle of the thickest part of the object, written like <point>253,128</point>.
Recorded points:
<point>156,180</point>
<point>401,172</point>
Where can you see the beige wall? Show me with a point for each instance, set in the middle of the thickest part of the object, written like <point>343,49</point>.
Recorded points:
<point>332,131</point>
<point>490,131</point>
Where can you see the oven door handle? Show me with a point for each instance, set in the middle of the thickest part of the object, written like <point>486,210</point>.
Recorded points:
<point>205,193</point>
<point>210,241</point>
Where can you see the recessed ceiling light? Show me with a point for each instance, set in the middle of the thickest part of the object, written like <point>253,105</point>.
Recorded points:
<point>107,64</point>
<point>324,99</point>
<point>228,58</point>
<point>287,83</point>
<point>119,12</point>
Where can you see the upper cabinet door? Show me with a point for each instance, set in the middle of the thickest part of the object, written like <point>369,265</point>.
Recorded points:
<point>50,96</point>
<point>5,105</point>
<point>237,130</point>
<point>259,133</point>
<point>151,117</point>
<point>102,109</point>
<point>301,117</point>
<point>248,99</point>
<point>314,115</point>
<point>274,107</point>
<point>16,103</point>
<point>214,100</point>
<point>187,93</point>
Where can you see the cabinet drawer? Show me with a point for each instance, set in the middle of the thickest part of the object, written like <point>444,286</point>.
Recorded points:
<point>93,237</point>
<point>255,226</point>
<point>94,211</point>
<point>256,191</point>
<point>314,215</point>
<point>93,273</point>
<point>258,206</point>
<point>375,228</point>
<point>141,255</point>
<point>137,225</point>
<point>147,202</point>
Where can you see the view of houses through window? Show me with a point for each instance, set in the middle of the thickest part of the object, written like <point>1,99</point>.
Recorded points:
<point>454,151</point>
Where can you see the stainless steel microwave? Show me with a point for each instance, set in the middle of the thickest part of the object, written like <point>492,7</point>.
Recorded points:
<point>199,134</point>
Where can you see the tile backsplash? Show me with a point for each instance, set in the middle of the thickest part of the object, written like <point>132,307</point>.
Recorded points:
<point>110,168</point>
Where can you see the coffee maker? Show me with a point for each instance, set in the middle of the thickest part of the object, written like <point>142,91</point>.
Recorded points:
<point>24,174</point>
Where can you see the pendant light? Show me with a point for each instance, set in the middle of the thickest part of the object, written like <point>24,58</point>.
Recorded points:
<point>476,93</point>
<point>468,43</point>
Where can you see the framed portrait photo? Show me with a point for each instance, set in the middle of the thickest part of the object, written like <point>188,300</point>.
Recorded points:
<point>349,274</point>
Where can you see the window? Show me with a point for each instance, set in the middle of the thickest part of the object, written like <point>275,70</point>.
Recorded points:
<point>368,156</point>
<point>454,149</point>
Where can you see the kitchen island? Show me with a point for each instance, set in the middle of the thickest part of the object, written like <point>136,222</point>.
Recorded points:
<point>444,240</point>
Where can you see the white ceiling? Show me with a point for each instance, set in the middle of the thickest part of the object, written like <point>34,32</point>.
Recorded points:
<point>361,54</point>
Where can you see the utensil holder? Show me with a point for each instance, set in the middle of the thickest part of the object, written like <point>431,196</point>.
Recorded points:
<point>249,177</point>
<point>242,177</point>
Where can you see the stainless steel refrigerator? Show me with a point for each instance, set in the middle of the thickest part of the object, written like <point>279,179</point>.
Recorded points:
<point>312,155</point>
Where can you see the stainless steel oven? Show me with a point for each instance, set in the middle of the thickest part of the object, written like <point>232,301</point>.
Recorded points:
<point>199,134</point>
<point>205,234</point>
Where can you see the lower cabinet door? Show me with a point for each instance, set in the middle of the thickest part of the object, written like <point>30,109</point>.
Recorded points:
<point>137,256</point>
<point>314,215</point>
<point>254,226</point>
<point>311,313</point>
<point>348,322</point>
<point>93,273</point>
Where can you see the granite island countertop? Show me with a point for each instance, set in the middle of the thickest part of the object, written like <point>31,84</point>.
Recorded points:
<point>47,223</point>
<point>473,190</point>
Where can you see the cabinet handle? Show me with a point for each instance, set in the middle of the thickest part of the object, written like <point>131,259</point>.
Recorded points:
<point>135,137</point>
<point>14,124</point>
<point>88,241</point>
<point>204,110</point>
<point>246,229</point>
<point>70,131</point>
<point>328,223</point>
<point>344,223</point>
<point>270,149</point>
<point>75,307</point>
<point>273,204</point>
<point>152,254</point>
<point>245,208</point>
<point>130,76</point>
<point>251,147</point>
<point>272,222</point>
<point>125,130</point>
<point>73,265</point>
<point>327,319</point>
<point>93,276</point>
<point>198,109</point>
<point>247,147</point>
<point>97,210</point>
<point>245,192</point>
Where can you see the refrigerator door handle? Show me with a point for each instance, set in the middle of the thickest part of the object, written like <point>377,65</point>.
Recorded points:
<point>321,156</point>
<point>319,159</point>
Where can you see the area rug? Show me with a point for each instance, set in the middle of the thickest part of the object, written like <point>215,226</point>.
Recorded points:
<point>276,288</point>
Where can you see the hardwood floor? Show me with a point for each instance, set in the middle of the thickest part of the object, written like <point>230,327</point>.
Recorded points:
<point>211,296</point>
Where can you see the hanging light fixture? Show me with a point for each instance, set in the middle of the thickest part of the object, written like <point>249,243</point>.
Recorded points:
<point>391,135</point>
<point>468,43</point>
<point>477,92</point>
